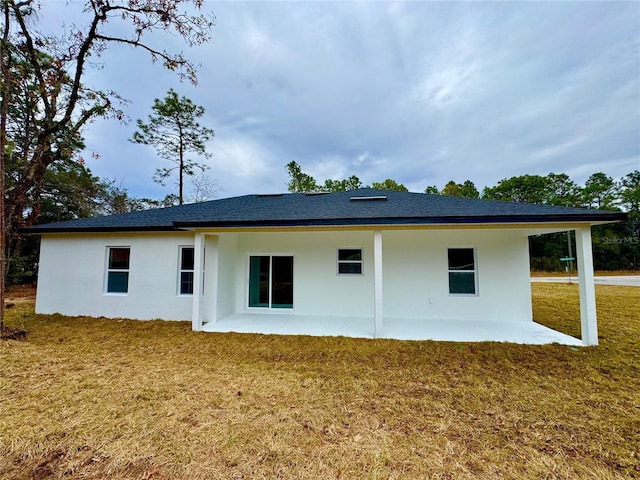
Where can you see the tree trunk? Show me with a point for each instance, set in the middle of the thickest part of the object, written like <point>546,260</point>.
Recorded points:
<point>181,169</point>
<point>5,68</point>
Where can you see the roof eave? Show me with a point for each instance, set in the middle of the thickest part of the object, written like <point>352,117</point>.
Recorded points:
<point>35,230</point>
<point>594,219</point>
<point>589,218</point>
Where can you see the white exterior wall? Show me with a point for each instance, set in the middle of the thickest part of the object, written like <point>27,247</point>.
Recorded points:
<point>72,276</point>
<point>317,288</point>
<point>416,281</point>
<point>415,274</point>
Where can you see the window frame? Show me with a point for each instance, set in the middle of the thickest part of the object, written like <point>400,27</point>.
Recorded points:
<point>182,270</point>
<point>350,262</point>
<point>109,269</point>
<point>473,271</point>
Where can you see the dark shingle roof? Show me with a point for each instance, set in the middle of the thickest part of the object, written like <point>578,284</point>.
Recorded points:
<point>355,207</point>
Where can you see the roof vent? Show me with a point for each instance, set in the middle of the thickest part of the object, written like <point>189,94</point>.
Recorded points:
<point>377,198</point>
<point>261,195</point>
<point>313,194</point>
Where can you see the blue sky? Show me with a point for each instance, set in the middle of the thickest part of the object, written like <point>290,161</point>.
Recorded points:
<point>421,92</point>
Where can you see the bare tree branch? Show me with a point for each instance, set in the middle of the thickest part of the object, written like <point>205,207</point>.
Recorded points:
<point>50,105</point>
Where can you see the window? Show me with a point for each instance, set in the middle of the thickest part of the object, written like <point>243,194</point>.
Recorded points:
<point>118,270</point>
<point>349,261</point>
<point>462,271</point>
<point>186,270</point>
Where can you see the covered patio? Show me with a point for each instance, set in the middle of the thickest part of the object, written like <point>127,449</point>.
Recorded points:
<point>477,328</point>
<point>394,328</point>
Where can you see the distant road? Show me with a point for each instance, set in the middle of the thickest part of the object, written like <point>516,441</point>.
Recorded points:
<point>626,280</point>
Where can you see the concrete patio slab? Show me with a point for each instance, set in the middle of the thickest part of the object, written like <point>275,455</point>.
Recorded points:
<point>394,328</point>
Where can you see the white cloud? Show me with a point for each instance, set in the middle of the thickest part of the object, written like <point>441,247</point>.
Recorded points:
<point>238,158</point>
<point>555,151</point>
<point>447,85</point>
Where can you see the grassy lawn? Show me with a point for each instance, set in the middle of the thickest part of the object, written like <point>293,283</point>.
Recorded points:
<point>96,398</point>
<point>599,273</point>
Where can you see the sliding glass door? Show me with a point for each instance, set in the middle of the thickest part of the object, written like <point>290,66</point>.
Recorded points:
<point>270,281</point>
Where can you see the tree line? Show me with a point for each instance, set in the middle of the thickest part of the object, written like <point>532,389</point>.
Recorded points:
<point>599,191</point>
<point>615,246</point>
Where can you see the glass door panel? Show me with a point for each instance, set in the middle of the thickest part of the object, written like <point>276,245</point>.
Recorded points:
<point>259,281</point>
<point>282,282</point>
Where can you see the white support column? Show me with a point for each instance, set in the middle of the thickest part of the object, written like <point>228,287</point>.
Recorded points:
<point>588,319</point>
<point>198,266</point>
<point>211,275</point>
<point>377,285</point>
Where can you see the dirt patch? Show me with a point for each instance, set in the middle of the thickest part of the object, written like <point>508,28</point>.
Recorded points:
<point>8,333</point>
<point>47,467</point>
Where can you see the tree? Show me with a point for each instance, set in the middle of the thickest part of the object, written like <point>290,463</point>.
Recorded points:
<point>600,191</point>
<point>300,181</point>
<point>524,188</point>
<point>5,66</point>
<point>452,189</point>
<point>432,190</point>
<point>351,183</point>
<point>390,184</point>
<point>69,191</point>
<point>630,191</point>
<point>630,200</point>
<point>113,198</point>
<point>552,189</point>
<point>174,131</point>
<point>203,188</point>
<point>615,246</point>
<point>562,191</point>
<point>57,105</point>
<point>469,190</point>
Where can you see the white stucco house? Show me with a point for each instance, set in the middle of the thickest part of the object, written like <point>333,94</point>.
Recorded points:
<point>370,263</point>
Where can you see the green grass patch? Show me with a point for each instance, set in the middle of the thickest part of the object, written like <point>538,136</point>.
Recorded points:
<point>574,273</point>
<point>97,398</point>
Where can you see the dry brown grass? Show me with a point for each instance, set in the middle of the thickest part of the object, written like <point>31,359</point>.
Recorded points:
<point>95,398</point>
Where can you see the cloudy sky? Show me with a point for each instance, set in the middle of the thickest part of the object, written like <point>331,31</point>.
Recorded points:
<point>420,92</point>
